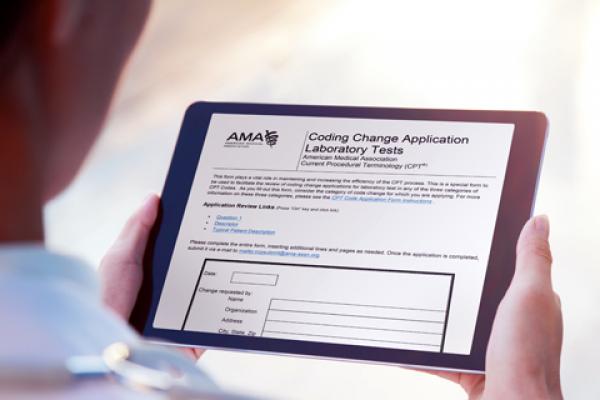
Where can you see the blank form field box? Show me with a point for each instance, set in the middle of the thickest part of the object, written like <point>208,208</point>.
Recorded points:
<point>253,278</point>
<point>419,329</point>
<point>361,306</point>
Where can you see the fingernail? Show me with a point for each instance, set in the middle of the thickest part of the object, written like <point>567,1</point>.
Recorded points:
<point>148,201</point>
<point>542,224</point>
<point>148,208</point>
<point>147,198</point>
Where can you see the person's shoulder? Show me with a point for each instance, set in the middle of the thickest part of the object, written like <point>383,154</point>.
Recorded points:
<point>50,307</point>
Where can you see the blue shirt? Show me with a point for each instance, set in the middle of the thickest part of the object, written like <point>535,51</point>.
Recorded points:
<point>50,310</point>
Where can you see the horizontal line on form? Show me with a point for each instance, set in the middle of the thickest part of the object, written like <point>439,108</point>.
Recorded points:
<point>358,316</point>
<point>360,305</point>
<point>359,173</point>
<point>356,327</point>
<point>351,338</point>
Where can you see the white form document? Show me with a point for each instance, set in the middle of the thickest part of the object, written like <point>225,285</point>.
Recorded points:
<point>368,232</point>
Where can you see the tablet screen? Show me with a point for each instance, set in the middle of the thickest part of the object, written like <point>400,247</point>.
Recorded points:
<point>368,232</point>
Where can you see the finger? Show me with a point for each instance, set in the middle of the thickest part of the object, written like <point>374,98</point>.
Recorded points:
<point>191,352</point>
<point>131,242</point>
<point>534,257</point>
<point>198,352</point>
<point>471,383</point>
<point>121,268</point>
<point>448,375</point>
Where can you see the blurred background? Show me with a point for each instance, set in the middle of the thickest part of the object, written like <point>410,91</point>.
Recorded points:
<point>511,54</point>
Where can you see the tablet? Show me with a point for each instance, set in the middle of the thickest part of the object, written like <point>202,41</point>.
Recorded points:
<point>374,234</point>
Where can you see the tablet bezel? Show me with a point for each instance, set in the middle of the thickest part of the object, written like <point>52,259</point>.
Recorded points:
<point>515,208</point>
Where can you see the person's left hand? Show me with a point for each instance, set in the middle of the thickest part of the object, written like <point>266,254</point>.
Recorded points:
<point>121,268</point>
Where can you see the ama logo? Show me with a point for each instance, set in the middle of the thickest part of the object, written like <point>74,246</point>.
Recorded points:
<point>247,139</point>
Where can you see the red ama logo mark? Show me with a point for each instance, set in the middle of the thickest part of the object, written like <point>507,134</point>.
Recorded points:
<point>244,139</point>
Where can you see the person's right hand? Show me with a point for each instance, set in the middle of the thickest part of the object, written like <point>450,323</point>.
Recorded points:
<point>523,355</point>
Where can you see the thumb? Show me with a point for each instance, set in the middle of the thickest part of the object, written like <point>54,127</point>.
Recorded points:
<point>523,353</point>
<point>534,257</point>
<point>121,268</point>
<point>131,242</point>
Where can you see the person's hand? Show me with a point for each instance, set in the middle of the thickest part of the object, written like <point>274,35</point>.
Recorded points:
<point>121,268</point>
<point>523,355</point>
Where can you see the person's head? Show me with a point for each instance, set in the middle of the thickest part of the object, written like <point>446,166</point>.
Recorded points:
<point>60,61</point>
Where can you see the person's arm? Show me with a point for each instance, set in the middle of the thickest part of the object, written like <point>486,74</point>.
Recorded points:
<point>523,355</point>
<point>121,268</point>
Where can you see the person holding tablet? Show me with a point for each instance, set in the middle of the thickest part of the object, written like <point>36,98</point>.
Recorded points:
<point>60,66</point>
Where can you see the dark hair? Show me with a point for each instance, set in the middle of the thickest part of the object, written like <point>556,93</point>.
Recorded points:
<point>13,18</point>
<point>12,14</point>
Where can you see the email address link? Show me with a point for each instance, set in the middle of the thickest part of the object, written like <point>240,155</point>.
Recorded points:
<point>279,253</point>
